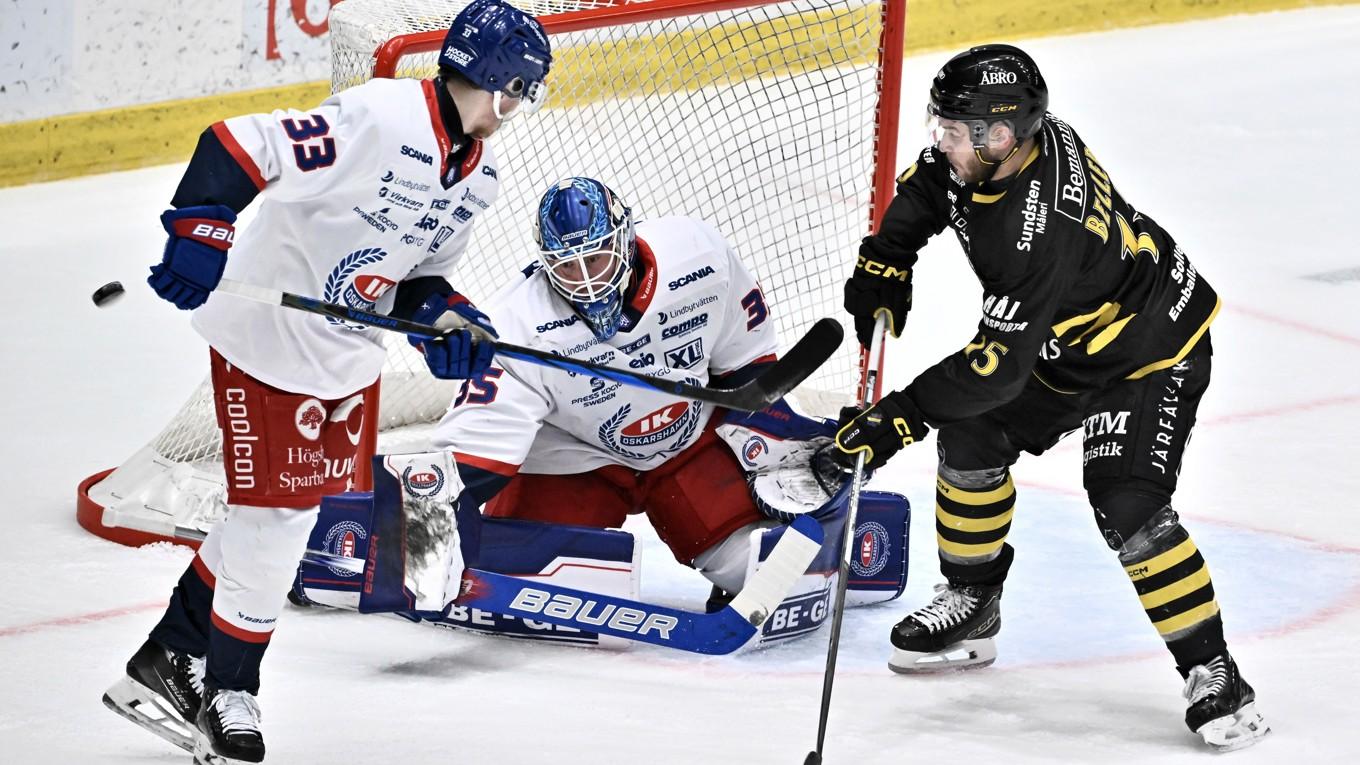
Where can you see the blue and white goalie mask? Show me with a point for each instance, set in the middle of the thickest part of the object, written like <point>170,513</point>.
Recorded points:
<point>586,243</point>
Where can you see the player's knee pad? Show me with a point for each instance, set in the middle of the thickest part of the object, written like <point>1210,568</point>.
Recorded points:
<point>1122,513</point>
<point>973,510</point>
<point>1174,586</point>
<point>975,444</point>
<point>259,549</point>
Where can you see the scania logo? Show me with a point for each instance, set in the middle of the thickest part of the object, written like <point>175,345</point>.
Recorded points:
<point>690,278</point>
<point>416,154</point>
<point>372,287</point>
<point>556,324</point>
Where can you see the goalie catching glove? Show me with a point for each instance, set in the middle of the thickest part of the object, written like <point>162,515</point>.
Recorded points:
<point>789,461</point>
<point>461,353</point>
<point>879,431</point>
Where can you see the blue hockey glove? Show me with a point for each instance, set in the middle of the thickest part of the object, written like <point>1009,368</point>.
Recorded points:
<point>879,431</point>
<point>195,255</point>
<point>460,354</point>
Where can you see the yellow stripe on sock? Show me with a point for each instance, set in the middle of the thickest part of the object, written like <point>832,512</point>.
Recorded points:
<point>968,551</point>
<point>959,523</point>
<point>966,497</point>
<point>1188,619</point>
<point>1162,562</point>
<point>1176,589</point>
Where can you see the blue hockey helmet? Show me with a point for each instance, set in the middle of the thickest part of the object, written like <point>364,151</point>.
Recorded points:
<point>587,245</point>
<point>501,50</point>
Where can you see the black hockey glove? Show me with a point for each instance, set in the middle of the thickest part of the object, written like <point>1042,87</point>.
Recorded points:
<point>879,431</point>
<point>878,284</point>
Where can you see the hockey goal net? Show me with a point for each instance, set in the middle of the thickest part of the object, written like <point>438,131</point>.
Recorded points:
<point>774,121</point>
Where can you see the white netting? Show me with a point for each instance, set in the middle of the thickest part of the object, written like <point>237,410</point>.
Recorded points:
<point>758,119</point>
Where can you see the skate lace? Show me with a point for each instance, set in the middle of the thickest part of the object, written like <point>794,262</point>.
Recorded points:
<point>1206,680</point>
<point>237,711</point>
<point>192,667</point>
<point>948,608</point>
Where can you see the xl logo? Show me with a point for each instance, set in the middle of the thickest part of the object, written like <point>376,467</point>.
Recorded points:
<point>687,355</point>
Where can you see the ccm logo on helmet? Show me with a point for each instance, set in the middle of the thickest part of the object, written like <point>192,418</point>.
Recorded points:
<point>998,78</point>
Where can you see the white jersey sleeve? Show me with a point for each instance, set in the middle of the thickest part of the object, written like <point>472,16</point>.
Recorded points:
<point>495,418</point>
<point>747,331</point>
<point>285,148</point>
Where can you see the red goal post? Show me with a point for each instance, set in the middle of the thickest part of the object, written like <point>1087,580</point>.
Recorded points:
<point>774,120</point>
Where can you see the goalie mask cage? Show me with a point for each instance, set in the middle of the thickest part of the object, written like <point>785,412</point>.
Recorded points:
<point>776,122</point>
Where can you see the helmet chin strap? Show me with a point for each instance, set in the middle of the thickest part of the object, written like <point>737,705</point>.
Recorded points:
<point>994,166</point>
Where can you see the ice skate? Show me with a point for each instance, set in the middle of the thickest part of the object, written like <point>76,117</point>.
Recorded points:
<point>162,692</point>
<point>228,729</point>
<point>957,630</point>
<point>1222,706</point>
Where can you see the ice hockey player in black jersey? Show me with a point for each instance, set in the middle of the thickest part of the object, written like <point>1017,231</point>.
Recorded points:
<point>1093,319</point>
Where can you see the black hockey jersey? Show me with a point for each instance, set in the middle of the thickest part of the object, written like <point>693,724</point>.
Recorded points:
<point>1080,289</point>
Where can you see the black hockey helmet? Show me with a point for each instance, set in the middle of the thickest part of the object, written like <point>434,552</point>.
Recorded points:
<point>991,83</point>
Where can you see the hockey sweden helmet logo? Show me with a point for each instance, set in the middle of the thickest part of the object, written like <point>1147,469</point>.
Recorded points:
<point>871,551</point>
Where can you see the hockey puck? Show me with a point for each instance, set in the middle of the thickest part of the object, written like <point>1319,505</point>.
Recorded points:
<point>757,617</point>
<point>107,294</point>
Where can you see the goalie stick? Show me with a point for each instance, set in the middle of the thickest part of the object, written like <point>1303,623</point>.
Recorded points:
<point>717,633</point>
<point>871,364</point>
<point>809,353</point>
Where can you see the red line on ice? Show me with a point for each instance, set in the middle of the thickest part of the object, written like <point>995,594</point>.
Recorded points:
<point>70,621</point>
<point>1296,325</point>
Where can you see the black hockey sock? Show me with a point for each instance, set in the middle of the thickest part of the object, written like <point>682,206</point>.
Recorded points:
<point>184,626</point>
<point>970,527</point>
<point>1177,593</point>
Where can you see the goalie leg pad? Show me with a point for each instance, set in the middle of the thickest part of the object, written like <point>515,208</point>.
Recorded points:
<point>699,498</point>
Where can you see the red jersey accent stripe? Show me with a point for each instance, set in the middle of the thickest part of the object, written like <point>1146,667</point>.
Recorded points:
<point>243,159</point>
<point>204,573</point>
<point>474,156</point>
<point>244,635</point>
<point>489,465</point>
<point>437,124</point>
<point>642,299</point>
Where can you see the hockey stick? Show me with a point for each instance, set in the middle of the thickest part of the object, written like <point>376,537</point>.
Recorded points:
<point>872,365</point>
<point>809,353</point>
<point>717,633</point>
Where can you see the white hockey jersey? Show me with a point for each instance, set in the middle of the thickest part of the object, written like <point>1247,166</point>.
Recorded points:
<point>701,315</point>
<point>352,203</point>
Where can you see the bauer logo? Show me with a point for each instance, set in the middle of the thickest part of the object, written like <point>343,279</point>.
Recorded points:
<point>870,555</point>
<point>423,480</point>
<point>343,539</point>
<point>309,417</point>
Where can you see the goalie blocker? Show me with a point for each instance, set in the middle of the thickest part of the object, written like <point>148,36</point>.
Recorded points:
<point>603,562</point>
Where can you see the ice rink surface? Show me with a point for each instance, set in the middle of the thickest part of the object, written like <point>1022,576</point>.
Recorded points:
<point>1234,134</point>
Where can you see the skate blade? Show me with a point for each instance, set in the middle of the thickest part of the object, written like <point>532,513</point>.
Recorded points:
<point>1236,731</point>
<point>966,654</point>
<point>140,705</point>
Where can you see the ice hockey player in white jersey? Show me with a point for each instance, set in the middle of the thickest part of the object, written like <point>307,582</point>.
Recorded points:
<point>668,296</point>
<point>366,200</point>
